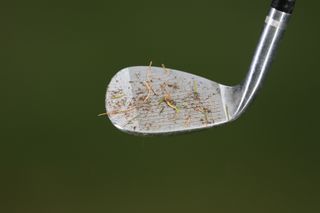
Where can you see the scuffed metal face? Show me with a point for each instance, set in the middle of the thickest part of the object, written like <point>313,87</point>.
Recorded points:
<point>154,100</point>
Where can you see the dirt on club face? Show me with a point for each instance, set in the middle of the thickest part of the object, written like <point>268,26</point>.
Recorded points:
<point>156,99</point>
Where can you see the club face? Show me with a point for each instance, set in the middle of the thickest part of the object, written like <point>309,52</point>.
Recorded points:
<point>153,100</point>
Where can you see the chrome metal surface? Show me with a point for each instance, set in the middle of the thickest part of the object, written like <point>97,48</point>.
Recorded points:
<point>274,28</point>
<point>153,100</point>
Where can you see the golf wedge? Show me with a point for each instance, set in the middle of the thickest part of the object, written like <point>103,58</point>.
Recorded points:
<point>150,100</point>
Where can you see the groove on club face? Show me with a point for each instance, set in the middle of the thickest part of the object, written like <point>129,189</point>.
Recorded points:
<point>153,100</point>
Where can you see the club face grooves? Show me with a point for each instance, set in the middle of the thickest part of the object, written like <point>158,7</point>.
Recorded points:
<point>153,100</point>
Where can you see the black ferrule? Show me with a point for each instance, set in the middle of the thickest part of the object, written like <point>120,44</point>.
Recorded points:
<point>283,5</point>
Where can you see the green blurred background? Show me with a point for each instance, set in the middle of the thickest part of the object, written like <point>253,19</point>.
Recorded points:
<point>56,155</point>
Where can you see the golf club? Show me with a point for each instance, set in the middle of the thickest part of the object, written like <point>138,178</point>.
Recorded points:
<point>151,100</point>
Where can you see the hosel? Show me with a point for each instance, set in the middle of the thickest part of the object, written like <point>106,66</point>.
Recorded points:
<point>275,25</point>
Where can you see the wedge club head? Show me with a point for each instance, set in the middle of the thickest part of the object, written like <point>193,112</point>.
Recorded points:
<point>151,100</point>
